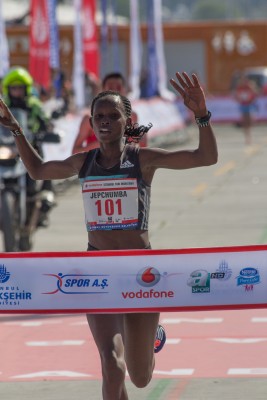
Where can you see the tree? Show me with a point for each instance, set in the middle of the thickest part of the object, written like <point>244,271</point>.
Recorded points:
<point>209,9</point>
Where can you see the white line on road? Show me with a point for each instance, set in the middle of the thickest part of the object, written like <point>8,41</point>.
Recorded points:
<point>191,320</point>
<point>239,340</point>
<point>173,341</point>
<point>56,343</point>
<point>247,371</point>
<point>259,319</point>
<point>79,323</point>
<point>175,372</point>
<point>69,374</point>
<point>33,323</point>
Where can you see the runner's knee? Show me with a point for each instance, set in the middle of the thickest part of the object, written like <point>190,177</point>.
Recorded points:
<point>141,378</point>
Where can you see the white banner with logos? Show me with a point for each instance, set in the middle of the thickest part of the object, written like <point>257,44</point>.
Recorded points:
<point>134,281</point>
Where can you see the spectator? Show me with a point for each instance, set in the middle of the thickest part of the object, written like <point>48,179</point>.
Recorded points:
<point>86,139</point>
<point>17,87</point>
<point>245,94</point>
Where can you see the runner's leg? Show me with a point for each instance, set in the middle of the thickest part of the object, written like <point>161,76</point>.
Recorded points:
<point>139,338</point>
<point>107,331</point>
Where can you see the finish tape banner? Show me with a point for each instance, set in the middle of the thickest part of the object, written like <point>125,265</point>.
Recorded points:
<point>134,281</point>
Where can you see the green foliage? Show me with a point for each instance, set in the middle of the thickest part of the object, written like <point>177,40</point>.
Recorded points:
<point>123,7</point>
<point>209,9</point>
<point>204,9</point>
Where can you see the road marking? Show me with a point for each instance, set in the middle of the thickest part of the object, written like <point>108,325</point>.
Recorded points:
<point>79,323</point>
<point>259,319</point>
<point>69,374</point>
<point>239,341</point>
<point>173,341</point>
<point>247,371</point>
<point>249,151</point>
<point>56,343</point>
<point>225,168</point>
<point>199,189</point>
<point>178,390</point>
<point>175,372</point>
<point>159,389</point>
<point>192,320</point>
<point>33,323</point>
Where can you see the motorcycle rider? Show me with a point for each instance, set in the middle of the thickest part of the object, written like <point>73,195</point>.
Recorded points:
<point>17,89</point>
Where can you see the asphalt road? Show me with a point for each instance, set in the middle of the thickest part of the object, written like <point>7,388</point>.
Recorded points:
<point>222,205</point>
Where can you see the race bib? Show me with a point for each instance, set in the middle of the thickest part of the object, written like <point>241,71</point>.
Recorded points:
<point>110,203</point>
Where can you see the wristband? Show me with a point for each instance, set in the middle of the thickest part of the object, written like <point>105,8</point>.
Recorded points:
<point>202,122</point>
<point>17,131</point>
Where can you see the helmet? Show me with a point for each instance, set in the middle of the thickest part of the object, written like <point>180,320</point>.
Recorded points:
<point>17,76</point>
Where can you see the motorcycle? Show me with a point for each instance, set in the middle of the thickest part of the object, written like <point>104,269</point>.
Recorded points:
<point>19,211</point>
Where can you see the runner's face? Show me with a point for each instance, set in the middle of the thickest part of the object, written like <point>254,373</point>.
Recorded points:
<point>115,84</point>
<point>109,119</point>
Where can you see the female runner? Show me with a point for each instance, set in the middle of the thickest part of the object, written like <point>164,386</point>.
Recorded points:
<point>124,341</point>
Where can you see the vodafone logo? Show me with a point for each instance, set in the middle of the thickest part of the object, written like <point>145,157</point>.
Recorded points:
<point>148,277</point>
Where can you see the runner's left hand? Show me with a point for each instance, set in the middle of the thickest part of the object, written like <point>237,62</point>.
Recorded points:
<point>191,92</point>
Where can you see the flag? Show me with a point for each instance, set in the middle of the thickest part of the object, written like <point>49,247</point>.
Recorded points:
<point>104,38</point>
<point>54,40</point>
<point>78,62</point>
<point>135,50</point>
<point>4,59</point>
<point>152,67</point>
<point>57,79</point>
<point>161,61</point>
<point>40,43</point>
<point>114,37</point>
<point>90,41</point>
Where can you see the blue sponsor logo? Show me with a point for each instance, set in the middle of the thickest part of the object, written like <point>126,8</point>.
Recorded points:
<point>248,276</point>
<point>11,295</point>
<point>4,275</point>
<point>80,283</point>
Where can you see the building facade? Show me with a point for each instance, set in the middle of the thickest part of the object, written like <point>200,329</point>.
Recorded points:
<point>214,50</point>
